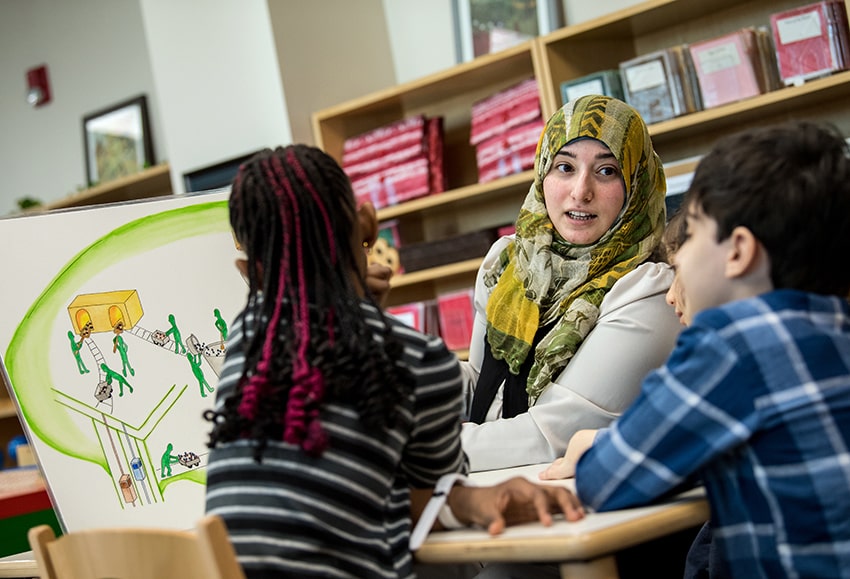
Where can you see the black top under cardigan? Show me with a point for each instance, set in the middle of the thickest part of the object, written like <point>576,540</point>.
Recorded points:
<point>493,373</point>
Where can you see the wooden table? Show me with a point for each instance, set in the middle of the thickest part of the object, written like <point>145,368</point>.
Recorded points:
<point>583,548</point>
<point>21,566</point>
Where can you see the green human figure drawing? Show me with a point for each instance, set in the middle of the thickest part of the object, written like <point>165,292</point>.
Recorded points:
<point>174,333</point>
<point>195,361</point>
<point>75,349</point>
<point>167,460</point>
<point>119,345</point>
<point>221,326</point>
<point>113,375</point>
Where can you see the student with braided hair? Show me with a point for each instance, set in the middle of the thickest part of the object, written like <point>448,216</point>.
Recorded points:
<point>333,423</point>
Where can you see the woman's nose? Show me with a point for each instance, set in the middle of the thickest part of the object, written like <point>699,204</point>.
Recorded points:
<point>583,187</point>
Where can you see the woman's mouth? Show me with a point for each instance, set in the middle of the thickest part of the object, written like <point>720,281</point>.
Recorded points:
<point>580,215</point>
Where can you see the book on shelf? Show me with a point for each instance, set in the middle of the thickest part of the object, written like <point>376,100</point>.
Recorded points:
<point>456,311</point>
<point>504,129</point>
<point>421,316</point>
<point>604,82</point>
<point>508,153</point>
<point>394,184</point>
<point>397,162</point>
<point>412,314</point>
<point>661,85</point>
<point>496,114</point>
<point>811,41</point>
<point>732,67</point>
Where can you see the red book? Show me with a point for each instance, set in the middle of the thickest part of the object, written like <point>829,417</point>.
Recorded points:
<point>434,144</point>
<point>377,164</point>
<point>808,41</point>
<point>511,107</point>
<point>727,67</point>
<point>411,314</point>
<point>456,312</point>
<point>394,184</point>
<point>380,158</point>
<point>508,153</point>
<point>400,135</point>
<point>23,491</point>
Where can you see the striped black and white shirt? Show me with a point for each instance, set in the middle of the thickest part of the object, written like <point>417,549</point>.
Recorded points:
<point>347,512</point>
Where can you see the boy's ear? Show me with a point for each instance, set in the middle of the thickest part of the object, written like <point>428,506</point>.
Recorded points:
<point>746,254</point>
<point>368,219</point>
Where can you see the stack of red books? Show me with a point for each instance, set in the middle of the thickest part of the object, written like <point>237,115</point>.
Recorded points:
<point>505,130</point>
<point>397,162</point>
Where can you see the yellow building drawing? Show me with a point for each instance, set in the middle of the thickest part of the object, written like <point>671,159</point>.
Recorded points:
<point>101,312</point>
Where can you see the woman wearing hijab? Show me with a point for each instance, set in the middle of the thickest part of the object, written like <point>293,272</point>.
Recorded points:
<point>570,311</point>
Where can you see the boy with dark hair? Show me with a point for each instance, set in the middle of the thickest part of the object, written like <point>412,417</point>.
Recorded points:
<point>755,399</point>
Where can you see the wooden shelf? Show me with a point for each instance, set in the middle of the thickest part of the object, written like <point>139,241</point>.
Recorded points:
<point>468,193</point>
<point>152,182</point>
<point>788,100</point>
<point>459,84</point>
<point>449,94</point>
<point>437,273</point>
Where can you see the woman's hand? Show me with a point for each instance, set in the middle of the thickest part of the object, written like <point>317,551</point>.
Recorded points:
<point>565,467</point>
<point>512,502</point>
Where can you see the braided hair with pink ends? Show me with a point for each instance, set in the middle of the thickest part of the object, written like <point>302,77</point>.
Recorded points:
<point>293,212</point>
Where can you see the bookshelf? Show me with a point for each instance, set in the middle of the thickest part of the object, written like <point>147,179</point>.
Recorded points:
<point>603,43</point>
<point>466,205</point>
<point>565,54</point>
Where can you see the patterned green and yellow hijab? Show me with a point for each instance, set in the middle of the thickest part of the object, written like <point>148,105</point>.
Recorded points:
<point>543,280</point>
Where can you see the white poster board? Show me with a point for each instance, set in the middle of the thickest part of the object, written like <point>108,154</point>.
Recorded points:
<point>111,347</point>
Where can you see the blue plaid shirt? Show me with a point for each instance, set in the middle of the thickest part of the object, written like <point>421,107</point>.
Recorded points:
<point>755,402</point>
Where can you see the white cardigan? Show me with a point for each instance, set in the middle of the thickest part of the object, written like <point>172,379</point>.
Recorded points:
<point>634,334</point>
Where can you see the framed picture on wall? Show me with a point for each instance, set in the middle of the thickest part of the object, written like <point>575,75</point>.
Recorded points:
<point>485,26</point>
<point>117,141</point>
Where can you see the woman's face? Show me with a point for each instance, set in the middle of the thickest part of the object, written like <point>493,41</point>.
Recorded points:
<point>584,191</point>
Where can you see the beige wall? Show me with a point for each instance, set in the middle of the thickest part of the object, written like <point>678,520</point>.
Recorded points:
<point>215,69</point>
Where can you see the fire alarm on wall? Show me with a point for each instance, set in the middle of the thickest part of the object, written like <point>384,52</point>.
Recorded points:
<point>38,87</point>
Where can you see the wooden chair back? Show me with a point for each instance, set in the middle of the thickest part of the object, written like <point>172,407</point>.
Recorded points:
<point>137,553</point>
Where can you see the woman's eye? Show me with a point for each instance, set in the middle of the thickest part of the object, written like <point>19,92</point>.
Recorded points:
<point>609,171</point>
<point>563,167</point>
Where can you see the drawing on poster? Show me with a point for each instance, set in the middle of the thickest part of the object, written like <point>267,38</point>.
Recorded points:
<point>114,362</point>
